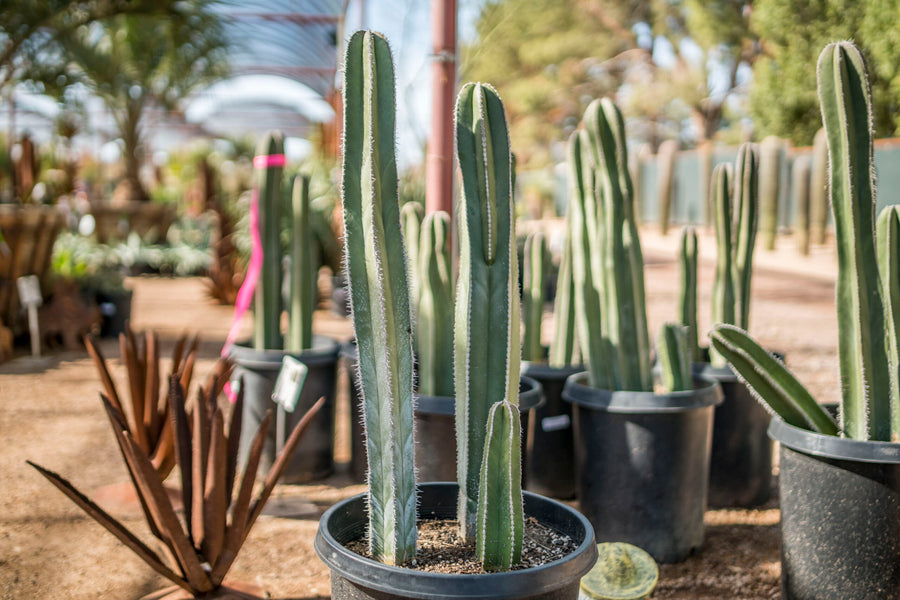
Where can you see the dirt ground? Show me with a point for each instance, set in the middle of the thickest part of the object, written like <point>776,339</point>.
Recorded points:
<point>50,414</point>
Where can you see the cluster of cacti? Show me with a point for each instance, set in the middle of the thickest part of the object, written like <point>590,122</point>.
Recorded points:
<point>434,312</point>
<point>736,203</point>
<point>688,260</point>
<point>673,352</point>
<point>564,344</point>
<point>771,161</point>
<point>867,292</point>
<point>487,355</point>
<point>268,299</point>
<point>375,262</point>
<point>535,265</point>
<point>800,179</point>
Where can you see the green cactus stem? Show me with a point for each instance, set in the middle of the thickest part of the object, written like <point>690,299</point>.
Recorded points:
<point>744,217</point>
<point>665,183</point>
<point>771,159</point>
<point>498,543</point>
<point>800,178</point>
<point>845,101</point>
<point>267,298</point>
<point>887,237</point>
<point>434,326</point>
<point>688,259</point>
<point>769,381</point>
<point>411,215</point>
<point>818,189</point>
<point>534,269</point>
<point>486,330</point>
<point>723,295</point>
<point>673,351</point>
<point>375,262</point>
<point>303,270</point>
<point>564,344</point>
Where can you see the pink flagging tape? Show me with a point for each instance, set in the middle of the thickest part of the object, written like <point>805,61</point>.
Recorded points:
<point>245,294</point>
<point>269,160</point>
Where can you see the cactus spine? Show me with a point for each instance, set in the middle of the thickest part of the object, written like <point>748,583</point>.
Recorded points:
<point>534,269</point>
<point>887,237</point>
<point>771,157</point>
<point>303,270</point>
<point>688,262</point>
<point>563,346</point>
<point>818,189</point>
<point>800,178</point>
<point>267,297</point>
<point>847,115</point>
<point>673,350</point>
<point>500,530</point>
<point>434,324</point>
<point>376,265</point>
<point>486,330</point>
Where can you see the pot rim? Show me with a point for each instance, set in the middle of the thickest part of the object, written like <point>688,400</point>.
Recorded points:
<point>832,446</point>
<point>440,586</point>
<point>708,394</point>
<point>530,398</point>
<point>542,370</point>
<point>325,351</point>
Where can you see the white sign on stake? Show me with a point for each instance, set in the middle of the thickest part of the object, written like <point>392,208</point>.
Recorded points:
<point>30,297</point>
<point>289,384</point>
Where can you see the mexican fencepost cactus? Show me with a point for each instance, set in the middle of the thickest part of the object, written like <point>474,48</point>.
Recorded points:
<point>375,262</point>
<point>500,530</point>
<point>665,182</point>
<point>267,298</point>
<point>486,330</point>
<point>534,266</point>
<point>800,173</point>
<point>673,351</point>
<point>723,294</point>
<point>745,210</point>
<point>434,323</point>
<point>625,305</point>
<point>564,345</point>
<point>818,189</point>
<point>887,237</point>
<point>303,269</point>
<point>771,157</point>
<point>411,215</point>
<point>845,101</point>
<point>688,263</point>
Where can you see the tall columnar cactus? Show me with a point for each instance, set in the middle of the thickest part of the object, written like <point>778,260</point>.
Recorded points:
<point>486,330</point>
<point>688,261</point>
<point>564,345</point>
<point>771,159</point>
<point>887,237</point>
<point>434,323</point>
<point>623,264</point>
<point>267,299</point>
<point>375,261</point>
<point>800,193</point>
<point>665,182</point>
<point>303,269</point>
<point>534,268</point>
<point>500,530</point>
<point>818,189</point>
<point>673,350</point>
<point>411,215</point>
<point>723,293</point>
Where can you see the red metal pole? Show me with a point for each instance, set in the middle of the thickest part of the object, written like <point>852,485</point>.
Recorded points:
<point>439,155</point>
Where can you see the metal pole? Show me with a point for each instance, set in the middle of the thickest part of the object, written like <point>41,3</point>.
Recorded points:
<point>439,157</point>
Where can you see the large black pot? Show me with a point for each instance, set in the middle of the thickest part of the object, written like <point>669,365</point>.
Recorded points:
<point>550,455</point>
<point>840,516</point>
<point>740,469</point>
<point>314,457</point>
<point>642,464</point>
<point>358,578</point>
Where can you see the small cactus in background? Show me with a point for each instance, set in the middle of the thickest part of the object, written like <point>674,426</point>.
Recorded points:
<point>434,325</point>
<point>486,330</point>
<point>800,178</point>
<point>818,189</point>
<point>268,299</point>
<point>688,262</point>
<point>723,293</point>
<point>665,182</point>
<point>375,261</point>
<point>564,345</point>
<point>534,269</point>
<point>303,270</point>
<point>887,238</point>
<point>411,215</point>
<point>673,350</point>
<point>771,159</point>
<point>498,543</point>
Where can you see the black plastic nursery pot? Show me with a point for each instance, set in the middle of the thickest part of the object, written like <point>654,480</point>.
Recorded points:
<point>354,577</point>
<point>550,454</point>
<point>314,457</point>
<point>840,516</point>
<point>740,468</point>
<point>642,464</point>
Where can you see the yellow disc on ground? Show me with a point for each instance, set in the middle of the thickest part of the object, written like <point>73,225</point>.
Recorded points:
<point>622,572</point>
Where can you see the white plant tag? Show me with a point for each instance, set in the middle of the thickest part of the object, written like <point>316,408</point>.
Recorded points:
<point>29,290</point>
<point>555,423</point>
<point>289,384</point>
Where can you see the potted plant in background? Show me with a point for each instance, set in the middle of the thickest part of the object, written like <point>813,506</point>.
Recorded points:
<point>258,366</point>
<point>385,517</point>
<point>839,484</point>
<point>642,458</point>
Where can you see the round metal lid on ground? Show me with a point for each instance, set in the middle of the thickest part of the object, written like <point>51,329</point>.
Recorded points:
<point>622,572</point>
